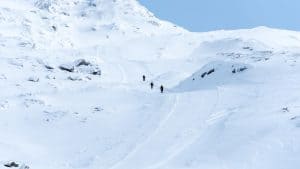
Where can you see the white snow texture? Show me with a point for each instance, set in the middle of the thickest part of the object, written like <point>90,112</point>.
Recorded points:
<point>72,94</point>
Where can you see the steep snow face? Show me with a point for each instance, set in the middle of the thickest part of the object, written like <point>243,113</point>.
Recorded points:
<point>72,94</point>
<point>109,7</point>
<point>105,10</point>
<point>212,75</point>
<point>66,22</point>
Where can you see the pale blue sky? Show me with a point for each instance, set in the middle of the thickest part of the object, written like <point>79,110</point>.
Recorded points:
<point>207,15</point>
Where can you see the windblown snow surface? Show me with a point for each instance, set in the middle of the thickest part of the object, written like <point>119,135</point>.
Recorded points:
<point>72,95</point>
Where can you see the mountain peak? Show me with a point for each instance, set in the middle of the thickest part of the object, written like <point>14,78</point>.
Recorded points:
<point>60,22</point>
<point>121,7</point>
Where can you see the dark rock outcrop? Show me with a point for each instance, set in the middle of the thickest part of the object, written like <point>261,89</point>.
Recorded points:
<point>67,67</point>
<point>11,164</point>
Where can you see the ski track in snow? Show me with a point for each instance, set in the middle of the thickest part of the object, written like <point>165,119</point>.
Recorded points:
<point>189,141</point>
<point>124,76</point>
<point>153,134</point>
<point>236,103</point>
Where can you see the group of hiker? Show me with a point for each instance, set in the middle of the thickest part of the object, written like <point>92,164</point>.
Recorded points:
<point>152,85</point>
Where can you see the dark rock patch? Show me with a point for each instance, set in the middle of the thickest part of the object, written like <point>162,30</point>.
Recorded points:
<point>285,109</point>
<point>203,74</point>
<point>248,48</point>
<point>98,109</point>
<point>11,164</point>
<point>82,66</point>
<point>207,73</point>
<point>238,70</point>
<point>294,118</point>
<point>81,62</point>
<point>74,78</point>
<point>210,71</point>
<point>49,67</point>
<point>33,79</point>
<point>67,67</point>
<point>54,28</point>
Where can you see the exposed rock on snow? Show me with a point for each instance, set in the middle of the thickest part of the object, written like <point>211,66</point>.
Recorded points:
<point>67,67</point>
<point>75,78</point>
<point>90,69</point>
<point>24,167</point>
<point>11,164</point>
<point>81,66</point>
<point>238,70</point>
<point>81,62</point>
<point>212,74</point>
<point>206,73</point>
<point>98,109</point>
<point>223,106</point>
<point>50,77</point>
<point>49,67</point>
<point>33,79</point>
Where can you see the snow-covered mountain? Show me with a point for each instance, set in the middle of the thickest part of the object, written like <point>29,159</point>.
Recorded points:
<point>72,95</point>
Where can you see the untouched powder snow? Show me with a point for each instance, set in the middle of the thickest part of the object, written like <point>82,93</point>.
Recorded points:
<point>72,95</point>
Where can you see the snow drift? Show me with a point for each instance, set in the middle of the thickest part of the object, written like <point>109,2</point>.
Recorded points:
<point>72,95</point>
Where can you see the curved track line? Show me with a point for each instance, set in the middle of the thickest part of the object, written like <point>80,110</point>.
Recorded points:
<point>124,77</point>
<point>188,143</point>
<point>158,128</point>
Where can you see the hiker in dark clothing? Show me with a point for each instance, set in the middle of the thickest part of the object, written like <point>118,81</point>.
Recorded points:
<point>161,89</point>
<point>144,78</point>
<point>151,85</point>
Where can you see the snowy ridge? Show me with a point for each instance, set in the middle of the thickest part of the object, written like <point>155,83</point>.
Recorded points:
<point>72,95</point>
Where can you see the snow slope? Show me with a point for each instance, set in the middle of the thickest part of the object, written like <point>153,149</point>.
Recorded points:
<point>231,98</point>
